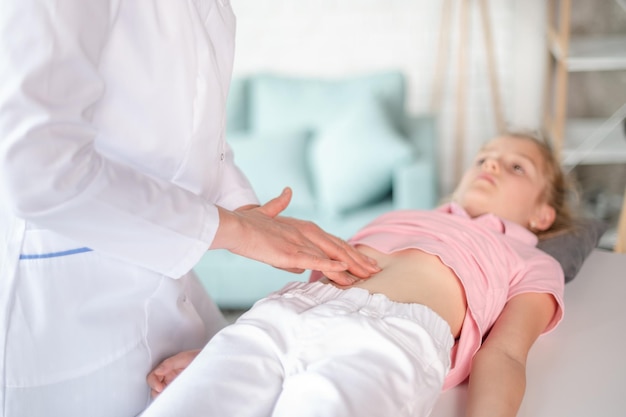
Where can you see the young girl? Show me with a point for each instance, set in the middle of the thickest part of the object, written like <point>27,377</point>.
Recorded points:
<point>462,288</point>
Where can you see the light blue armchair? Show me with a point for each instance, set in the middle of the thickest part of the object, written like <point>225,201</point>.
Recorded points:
<point>347,148</point>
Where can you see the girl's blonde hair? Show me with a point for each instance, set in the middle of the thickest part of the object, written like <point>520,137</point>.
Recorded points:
<point>560,192</point>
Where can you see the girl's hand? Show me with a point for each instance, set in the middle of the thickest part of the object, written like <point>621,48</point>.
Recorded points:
<point>168,370</point>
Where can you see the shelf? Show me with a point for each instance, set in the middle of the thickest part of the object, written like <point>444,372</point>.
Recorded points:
<point>592,53</point>
<point>578,139</point>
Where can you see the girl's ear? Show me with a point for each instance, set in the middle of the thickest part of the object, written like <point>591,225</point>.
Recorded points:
<point>543,218</point>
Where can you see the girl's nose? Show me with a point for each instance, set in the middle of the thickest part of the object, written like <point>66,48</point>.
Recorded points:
<point>490,164</point>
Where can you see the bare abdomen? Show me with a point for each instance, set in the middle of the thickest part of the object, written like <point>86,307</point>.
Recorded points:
<point>414,276</point>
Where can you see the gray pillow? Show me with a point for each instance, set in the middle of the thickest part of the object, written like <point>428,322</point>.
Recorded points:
<point>572,248</point>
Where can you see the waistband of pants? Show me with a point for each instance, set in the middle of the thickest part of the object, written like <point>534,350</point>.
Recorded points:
<point>374,305</point>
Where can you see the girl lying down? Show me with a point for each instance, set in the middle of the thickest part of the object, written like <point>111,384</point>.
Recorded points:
<point>462,292</point>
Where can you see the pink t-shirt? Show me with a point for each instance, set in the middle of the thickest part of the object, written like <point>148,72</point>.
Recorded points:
<point>494,259</point>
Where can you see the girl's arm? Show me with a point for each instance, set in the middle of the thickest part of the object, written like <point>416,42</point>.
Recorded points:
<point>498,378</point>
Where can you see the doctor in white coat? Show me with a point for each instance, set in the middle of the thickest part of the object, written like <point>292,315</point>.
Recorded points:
<point>115,178</point>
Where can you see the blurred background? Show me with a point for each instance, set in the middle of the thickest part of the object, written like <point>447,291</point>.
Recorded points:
<point>474,67</point>
<point>338,38</point>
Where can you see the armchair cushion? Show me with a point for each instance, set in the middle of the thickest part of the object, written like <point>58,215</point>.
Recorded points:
<point>272,161</point>
<point>353,159</point>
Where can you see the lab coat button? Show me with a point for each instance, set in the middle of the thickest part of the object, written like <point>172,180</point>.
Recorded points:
<point>222,156</point>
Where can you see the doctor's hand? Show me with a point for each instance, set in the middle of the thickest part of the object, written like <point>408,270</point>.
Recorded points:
<point>166,371</point>
<point>258,232</point>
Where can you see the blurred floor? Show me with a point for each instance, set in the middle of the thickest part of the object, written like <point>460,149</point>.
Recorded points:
<point>232,315</point>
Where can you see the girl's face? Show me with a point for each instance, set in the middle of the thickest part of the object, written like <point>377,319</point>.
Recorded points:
<point>507,179</point>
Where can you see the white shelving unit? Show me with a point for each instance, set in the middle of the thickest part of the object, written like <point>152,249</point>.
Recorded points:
<point>594,141</point>
<point>595,53</point>
<point>583,141</point>
<point>581,54</point>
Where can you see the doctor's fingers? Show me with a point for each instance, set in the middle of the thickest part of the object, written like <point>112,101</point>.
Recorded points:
<point>285,244</point>
<point>319,262</point>
<point>341,278</point>
<point>289,252</point>
<point>335,248</point>
<point>359,264</point>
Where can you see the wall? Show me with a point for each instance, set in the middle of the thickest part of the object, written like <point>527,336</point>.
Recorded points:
<point>333,38</point>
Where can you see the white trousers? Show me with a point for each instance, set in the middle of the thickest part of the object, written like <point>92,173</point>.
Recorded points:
<point>315,350</point>
<point>83,331</point>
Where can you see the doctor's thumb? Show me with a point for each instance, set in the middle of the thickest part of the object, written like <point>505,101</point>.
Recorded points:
<point>276,205</point>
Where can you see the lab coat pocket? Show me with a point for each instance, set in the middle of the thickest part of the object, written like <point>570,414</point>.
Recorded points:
<point>74,312</point>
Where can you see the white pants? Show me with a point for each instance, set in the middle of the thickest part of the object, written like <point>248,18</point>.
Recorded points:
<point>315,350</point>
<point>84,331</point>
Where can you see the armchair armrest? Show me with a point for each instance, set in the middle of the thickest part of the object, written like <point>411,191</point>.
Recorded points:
<point>422,134</point>
<point>415,186</point>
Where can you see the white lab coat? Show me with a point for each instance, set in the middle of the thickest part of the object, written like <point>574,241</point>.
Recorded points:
<point>112,162</point>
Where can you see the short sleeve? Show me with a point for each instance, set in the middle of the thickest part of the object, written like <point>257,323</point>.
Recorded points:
<point>541,274</point>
